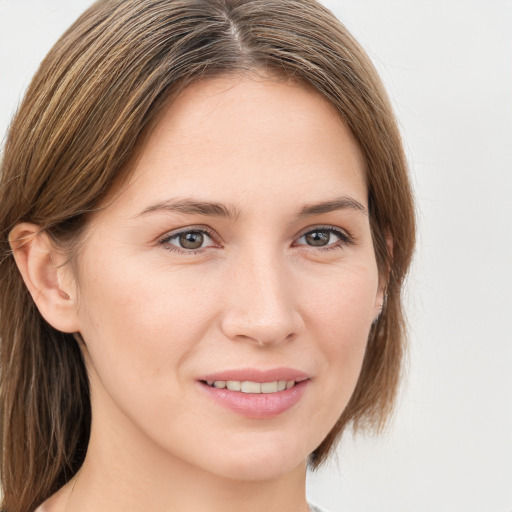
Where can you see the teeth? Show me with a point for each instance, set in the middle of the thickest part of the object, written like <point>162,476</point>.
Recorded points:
<point>248,386</point>
<point>251,387</point>
<point>269,387</point>
<point>234,385</point>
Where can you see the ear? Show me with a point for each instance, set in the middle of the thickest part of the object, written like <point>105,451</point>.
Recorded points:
<point>48,277</point>
<point>381,297</point>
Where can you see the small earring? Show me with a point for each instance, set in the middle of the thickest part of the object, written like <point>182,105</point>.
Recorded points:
<point>64,295</point>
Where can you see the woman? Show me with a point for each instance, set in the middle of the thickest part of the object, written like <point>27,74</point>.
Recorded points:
<point>206,221</point>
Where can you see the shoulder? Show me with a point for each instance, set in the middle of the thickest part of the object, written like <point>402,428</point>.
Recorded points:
<point>56,502</point>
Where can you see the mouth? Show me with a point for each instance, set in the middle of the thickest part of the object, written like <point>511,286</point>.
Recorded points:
<point>252,387</point>
<point>256,394</point>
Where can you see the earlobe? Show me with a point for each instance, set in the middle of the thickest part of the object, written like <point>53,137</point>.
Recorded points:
<point>380,304</point>
<point>46,275</point>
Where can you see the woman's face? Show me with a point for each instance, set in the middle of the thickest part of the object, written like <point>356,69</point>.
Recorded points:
<point>240,251</point>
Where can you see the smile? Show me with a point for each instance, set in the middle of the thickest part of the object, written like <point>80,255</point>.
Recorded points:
<point>256,394</point>
<point>248,386</point>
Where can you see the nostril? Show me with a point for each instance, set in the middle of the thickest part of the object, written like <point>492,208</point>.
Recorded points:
<point>267,324</point>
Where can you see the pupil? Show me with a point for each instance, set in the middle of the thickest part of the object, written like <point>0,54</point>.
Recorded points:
<point>191,240</point>
<point>317,238</point>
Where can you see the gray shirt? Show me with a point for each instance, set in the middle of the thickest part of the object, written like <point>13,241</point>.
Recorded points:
<point>315,508</point>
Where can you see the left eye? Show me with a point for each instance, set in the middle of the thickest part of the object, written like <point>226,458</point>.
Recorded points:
<point>322,237</point>
<point>189,240</point>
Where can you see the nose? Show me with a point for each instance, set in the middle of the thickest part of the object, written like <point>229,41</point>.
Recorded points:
<point>261,306</point>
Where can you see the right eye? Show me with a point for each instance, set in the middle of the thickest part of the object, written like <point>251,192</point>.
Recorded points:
<point>188,242</point>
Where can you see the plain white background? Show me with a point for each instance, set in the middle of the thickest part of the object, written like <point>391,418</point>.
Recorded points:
<point>448,68</point>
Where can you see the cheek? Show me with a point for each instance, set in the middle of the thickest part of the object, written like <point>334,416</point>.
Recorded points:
<point>342,301</point>
<point>137,322</point>
<point>340,315</point>
<point>139,334</point>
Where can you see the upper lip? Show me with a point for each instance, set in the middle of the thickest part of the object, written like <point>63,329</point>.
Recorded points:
<point>257,375</point>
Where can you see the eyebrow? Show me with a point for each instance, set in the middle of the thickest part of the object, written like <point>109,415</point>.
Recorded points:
<point>212,209</point>
<point>191,206</point>
<point>340,203</point>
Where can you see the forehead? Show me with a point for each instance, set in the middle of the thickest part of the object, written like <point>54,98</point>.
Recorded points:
<point>239,134</point>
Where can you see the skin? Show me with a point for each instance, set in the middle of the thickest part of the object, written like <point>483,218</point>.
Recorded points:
<point>256,294</point>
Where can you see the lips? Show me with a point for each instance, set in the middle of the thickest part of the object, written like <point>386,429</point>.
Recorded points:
<point>257,394</point>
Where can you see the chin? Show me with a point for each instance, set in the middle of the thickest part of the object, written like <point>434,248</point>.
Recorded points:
<point>262,461</point>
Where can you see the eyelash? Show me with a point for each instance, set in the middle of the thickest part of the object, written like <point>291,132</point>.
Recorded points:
<point>165,241</point>
<point>344,239</point>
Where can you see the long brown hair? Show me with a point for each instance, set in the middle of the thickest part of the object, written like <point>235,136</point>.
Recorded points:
<point>97,92</point>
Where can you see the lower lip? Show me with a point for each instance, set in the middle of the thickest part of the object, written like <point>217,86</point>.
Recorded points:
<point>257,405</point>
